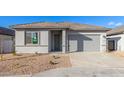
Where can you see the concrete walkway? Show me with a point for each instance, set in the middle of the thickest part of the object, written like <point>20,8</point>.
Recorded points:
<point>89,65</point>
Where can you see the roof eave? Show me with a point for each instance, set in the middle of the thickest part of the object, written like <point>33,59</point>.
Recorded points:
<point>57,28</point>
<point>115,34</point>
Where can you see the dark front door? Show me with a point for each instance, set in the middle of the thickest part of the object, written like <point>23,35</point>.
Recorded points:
<point>56,42</point>
<point>111,45</point>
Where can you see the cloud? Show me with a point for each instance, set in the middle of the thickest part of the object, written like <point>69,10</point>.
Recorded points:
<point>115,23</point>
<point>118,24</point>
<point>111,23</point>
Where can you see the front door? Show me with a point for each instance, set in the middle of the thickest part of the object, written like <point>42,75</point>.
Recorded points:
<point>56,42</point>
<point>111,45</point>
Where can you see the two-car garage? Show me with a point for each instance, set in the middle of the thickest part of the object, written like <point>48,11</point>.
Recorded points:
<point>84,42</point>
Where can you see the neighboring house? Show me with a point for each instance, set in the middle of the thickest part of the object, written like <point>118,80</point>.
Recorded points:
<point>115,39</point>
<point>45,37</point>
<point>6,40</point>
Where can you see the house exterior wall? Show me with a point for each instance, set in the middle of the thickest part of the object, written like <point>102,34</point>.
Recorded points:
<point>49,43</point>
<point>119,39</point>
<point>45,42</point>
<point>122,42</point>
<point>103,42</point>
<point>64,41</point>
<point>19,38</point>
<point>21,47</point>
<point>6,44</point>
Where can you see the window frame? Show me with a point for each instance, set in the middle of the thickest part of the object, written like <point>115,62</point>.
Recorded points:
<point>31,37</point>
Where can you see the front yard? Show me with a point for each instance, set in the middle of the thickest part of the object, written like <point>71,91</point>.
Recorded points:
<point>72,64</point>
<point>29,64</point>
<point>91,64</point>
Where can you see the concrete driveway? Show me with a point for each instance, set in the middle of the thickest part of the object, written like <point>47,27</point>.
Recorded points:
<point>90,65</point>
<point>99,60</point>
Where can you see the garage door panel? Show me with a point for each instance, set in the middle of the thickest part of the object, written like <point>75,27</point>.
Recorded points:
<point>74,44</point>
<point>87,42</point>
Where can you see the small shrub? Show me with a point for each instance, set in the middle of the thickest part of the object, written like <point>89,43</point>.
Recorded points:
<point>1,57</point>
<point>14,53</point>
<point>56,57</point>
<point>54,62</point>
<point>36,53</point>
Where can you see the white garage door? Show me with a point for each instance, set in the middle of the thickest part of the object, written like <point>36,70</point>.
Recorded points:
<point>87,42</point>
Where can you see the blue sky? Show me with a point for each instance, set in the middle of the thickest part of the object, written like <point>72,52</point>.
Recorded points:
<point>107,21</point>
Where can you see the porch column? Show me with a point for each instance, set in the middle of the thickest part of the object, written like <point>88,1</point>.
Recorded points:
<point>64,41</point>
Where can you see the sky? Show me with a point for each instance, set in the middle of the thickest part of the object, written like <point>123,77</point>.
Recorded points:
<point>106,21</point>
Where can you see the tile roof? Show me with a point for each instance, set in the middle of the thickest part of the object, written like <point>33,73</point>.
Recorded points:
<point>117,30</point>
<point>72,26</point>
<point>6,31</point>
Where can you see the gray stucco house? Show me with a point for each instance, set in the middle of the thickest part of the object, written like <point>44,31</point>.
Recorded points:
<point>45,37</point>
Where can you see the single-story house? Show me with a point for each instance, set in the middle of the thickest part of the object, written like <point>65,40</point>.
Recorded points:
<point>115,38</point>
<point>45,37</point>
<point>6,40</point>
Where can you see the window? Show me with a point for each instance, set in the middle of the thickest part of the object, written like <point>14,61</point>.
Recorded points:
<point>32,38</point>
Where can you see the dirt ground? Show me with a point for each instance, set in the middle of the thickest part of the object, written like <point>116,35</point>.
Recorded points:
<point>117,53</point>
<point>31,64</point>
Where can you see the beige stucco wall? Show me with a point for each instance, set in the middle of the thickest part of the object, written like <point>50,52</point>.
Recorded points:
<point>20,46</point>
<point>64,41</point>
<point>19,38</point>
<point>103,42</point>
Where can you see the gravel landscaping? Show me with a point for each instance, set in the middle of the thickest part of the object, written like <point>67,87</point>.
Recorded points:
<point>30,64</point>
<point>117,53</point>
